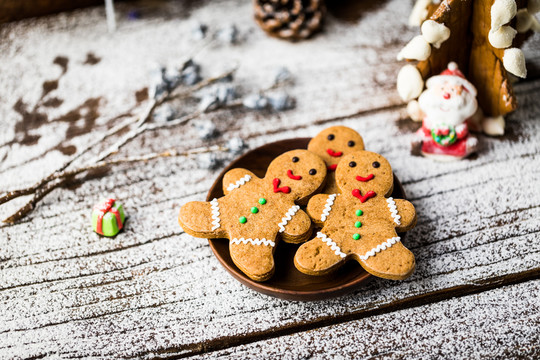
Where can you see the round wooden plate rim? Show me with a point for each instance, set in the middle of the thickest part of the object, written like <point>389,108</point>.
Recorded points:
<point>283,293</point>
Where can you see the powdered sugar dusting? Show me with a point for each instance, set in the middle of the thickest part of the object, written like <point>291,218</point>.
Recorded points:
<point>66,291</point>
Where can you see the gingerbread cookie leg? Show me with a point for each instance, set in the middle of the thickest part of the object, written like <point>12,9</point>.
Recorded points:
<point>255,257</point>
<point>403,214</point>
<point>202,219</point>
<point>319,256</point>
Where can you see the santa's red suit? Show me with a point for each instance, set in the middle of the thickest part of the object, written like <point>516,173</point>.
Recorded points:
<point>457,148</point>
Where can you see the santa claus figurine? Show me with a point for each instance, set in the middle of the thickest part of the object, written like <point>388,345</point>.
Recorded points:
<point>447,104</point>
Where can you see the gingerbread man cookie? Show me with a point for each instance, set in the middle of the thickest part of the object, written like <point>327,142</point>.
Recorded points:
<point>331,145</point>
<point>360,223</point>
<point>255,211</point>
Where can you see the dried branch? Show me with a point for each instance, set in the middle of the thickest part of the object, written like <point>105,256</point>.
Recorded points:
<point>66,176</point>
<point>140,127</point>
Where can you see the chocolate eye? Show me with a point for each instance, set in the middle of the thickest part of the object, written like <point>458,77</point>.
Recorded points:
<point>352,164</point>
<point>376,164</point>
<point>331,137</point>
<point>350,143</point>
<point>295,159</point>
<point>312,172</point>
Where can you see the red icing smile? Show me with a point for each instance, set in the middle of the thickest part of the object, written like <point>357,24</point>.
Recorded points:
<point>364,179</point>
<point>357,194</point>
<point>332,167</point>
<point>283,189</point>
<point>334,153</point>
<point>292,176</point>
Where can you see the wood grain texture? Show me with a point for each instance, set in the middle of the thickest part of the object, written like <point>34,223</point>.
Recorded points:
<point>154,290</point>
<point>428,331</point>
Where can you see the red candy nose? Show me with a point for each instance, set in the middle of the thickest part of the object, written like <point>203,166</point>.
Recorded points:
<point>446,96</point>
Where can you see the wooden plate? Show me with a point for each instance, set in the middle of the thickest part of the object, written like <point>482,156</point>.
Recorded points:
<point>288,283</point>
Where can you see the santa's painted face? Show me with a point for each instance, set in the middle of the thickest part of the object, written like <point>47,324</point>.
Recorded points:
<point>448,103</point>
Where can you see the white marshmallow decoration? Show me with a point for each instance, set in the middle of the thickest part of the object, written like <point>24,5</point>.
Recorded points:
<point>435,33</point>
<point>502,11</point>
<point>514,62</point>
<point>414,111</point>
<point>533,6</point>
<point>535,25</point>
<point>419,12</point>
<point>409,83</point>
<point>417,49</point>
<point>493,126</point>
<point>523,21</point>
<point>502,38</point>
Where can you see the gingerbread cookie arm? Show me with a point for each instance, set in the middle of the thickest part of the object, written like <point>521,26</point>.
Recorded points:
<point>319,256</point>
<point>295,227</point>
<point>236,178</point>
<point>202,219</point>
<point>403,214</point>
<point>320,207</point>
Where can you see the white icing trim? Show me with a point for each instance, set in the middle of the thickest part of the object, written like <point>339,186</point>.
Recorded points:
<point>262,241</point>
<point>385,245</point>
<point>215,214</point>
<point>393,210</point>
<point>325,239</point>
<point>238,183</point>
<point>288,216</point>
<point>328,207</point>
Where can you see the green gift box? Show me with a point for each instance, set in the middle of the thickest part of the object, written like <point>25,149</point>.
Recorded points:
<point>108,217</point>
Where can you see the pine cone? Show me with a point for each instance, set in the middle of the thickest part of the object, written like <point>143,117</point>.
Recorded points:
<point>289,19</point>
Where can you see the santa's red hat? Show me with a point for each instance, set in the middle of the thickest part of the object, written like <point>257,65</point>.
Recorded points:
<point>451,75</point>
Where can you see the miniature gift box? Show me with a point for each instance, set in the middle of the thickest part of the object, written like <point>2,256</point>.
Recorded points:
<point>108,217</point>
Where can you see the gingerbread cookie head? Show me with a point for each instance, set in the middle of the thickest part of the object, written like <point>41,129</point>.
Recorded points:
<point>299,173</point>
<point>364,172</point>
<point>335,142</point>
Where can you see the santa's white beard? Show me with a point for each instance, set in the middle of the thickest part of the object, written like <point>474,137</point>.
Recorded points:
<point>452,112</point>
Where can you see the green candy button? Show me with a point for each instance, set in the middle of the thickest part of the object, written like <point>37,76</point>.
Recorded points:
<point>242,219</point>
<point>356,236</point>
<point>359,212</point>
<point>262,201</point>
<point>254,210</point>
<point>357,224</point>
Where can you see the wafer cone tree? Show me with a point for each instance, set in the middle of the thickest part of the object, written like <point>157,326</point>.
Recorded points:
<point>483,37</point>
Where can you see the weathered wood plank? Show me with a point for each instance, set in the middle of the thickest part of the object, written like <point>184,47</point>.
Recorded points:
<point>501,323</point>
<point>159,284</point>
<point>153,289</point>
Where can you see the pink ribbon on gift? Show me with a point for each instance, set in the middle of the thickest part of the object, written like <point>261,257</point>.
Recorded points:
<point>104,208</point>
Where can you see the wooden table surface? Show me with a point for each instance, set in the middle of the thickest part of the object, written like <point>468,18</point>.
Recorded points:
<point>153,291</point>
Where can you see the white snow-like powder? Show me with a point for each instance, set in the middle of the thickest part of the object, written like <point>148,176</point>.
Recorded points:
<point>67,292</point>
